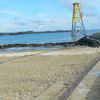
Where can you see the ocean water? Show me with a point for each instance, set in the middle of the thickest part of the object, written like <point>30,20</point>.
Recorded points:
<point>35,38</point>
<point>38,38</point>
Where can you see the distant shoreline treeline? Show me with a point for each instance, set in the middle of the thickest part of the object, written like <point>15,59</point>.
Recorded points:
<point>32,32</point>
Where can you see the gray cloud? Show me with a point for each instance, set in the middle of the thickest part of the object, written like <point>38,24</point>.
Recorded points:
<point>22,24</point>
<point>42,21</point>
<point>90,10</point>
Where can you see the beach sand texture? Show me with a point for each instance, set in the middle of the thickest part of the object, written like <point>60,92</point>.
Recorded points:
<point>25,78</point>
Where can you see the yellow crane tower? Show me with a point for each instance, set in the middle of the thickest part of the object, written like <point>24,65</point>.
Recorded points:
<point>77,22</point>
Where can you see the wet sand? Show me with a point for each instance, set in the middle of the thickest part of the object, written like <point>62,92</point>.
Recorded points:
<point>25,76</point>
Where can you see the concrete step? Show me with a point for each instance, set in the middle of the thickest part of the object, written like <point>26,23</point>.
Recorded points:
<point>89,88</point>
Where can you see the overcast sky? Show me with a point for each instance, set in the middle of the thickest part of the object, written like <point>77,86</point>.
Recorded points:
<point>43,15</point>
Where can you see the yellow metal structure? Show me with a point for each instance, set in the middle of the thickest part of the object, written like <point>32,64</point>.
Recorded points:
<point>77,22</point>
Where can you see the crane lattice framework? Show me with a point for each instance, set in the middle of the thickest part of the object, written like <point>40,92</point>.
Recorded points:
<point>77,22</point>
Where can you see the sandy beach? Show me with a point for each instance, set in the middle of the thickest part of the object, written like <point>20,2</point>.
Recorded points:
<point>26,75</point>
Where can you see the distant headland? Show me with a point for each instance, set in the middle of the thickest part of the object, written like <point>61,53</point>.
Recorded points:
<point>32,32</point>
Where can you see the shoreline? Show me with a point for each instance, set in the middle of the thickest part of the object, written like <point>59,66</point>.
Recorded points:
<point>64,44</point>
<point>85,41</point>
<point>52,52</point>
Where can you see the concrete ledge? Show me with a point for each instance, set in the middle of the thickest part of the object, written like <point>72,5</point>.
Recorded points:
<point>89,88</point>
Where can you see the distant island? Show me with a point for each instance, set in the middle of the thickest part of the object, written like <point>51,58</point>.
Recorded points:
<point>40,32</point>
<point>32,32</point>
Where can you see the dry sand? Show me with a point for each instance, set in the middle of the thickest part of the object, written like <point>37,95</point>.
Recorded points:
<point>26,77</point>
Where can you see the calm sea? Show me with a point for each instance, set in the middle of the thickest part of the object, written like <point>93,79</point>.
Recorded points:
<point>38,38</point>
